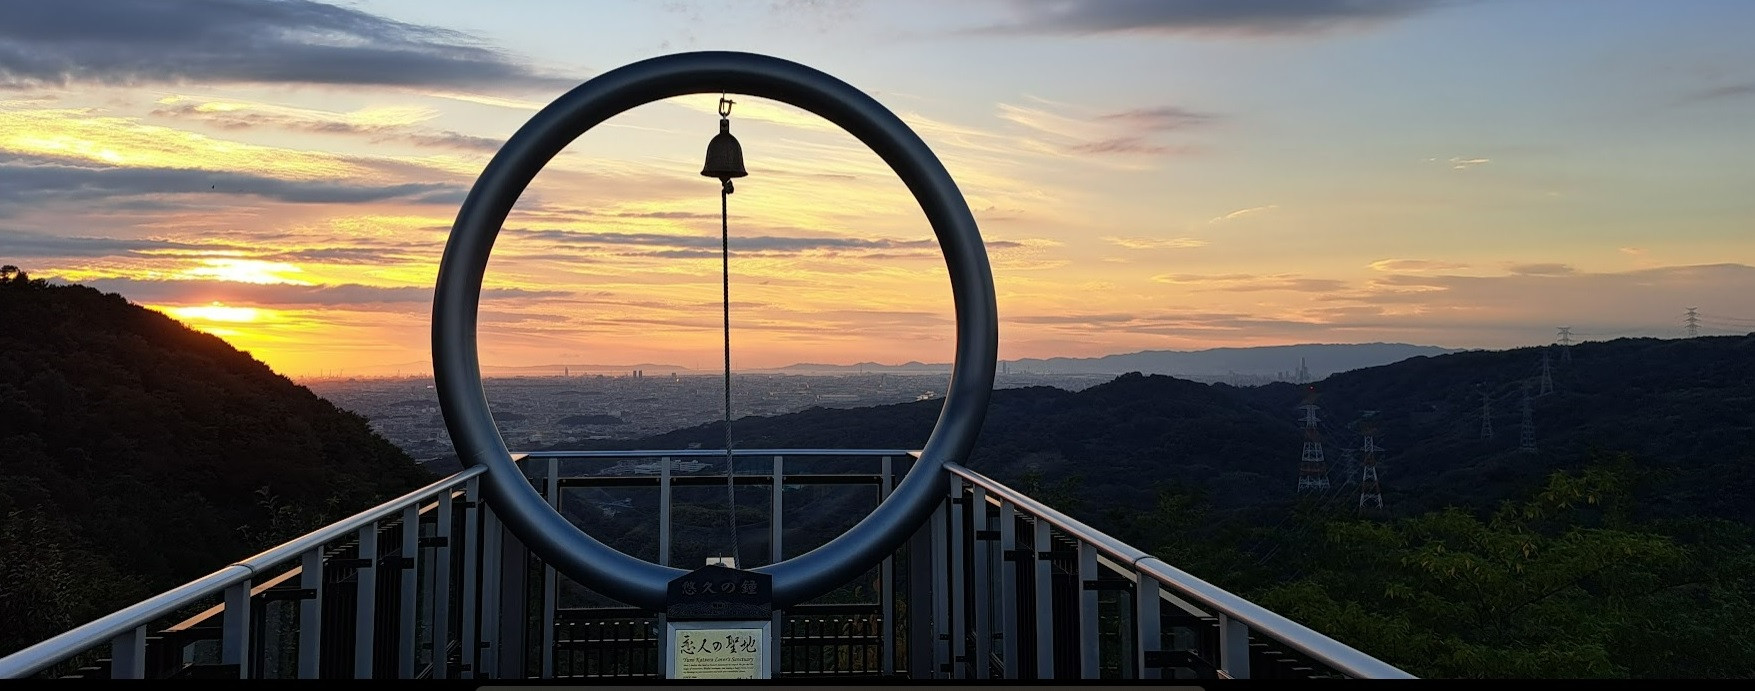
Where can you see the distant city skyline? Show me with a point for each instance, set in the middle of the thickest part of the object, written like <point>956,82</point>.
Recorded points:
<point>1148,175</point>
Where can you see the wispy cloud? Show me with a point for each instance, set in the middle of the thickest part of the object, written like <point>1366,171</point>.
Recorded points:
<point>332,249</point>
<point>24,183</point>
<point>1240,213</point>
<point>1415,265</point>
<point>1541,269</point>
<point>1462,162</point>
<point>286,294</point>
<point>22,244</point>
<point>698,246</point>
<point>129,42</point>
<point>1145,243</point>
<point>1074,130</point>
<point>1179,17</point>
<point>1160,118</point>
<point>378,125</point>
<point>1721,93</point>
<point>1254,283</point>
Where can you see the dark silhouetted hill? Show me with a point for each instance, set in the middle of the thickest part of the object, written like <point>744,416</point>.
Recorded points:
<point>136,453</point>
<point>1684,410</point>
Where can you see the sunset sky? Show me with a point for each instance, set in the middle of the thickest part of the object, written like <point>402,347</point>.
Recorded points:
<point>1148,174</point>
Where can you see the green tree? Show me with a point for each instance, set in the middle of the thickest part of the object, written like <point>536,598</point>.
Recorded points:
<point>1558,585</point>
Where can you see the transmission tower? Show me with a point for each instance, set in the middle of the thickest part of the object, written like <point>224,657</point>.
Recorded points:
<point>1693,322</point>
<point>1565,340</point>
<point>1527,443</point>
<point>1486,415</point>
<point>1312,469</point>
<point>1370,493</point>
<point>1547,375</point>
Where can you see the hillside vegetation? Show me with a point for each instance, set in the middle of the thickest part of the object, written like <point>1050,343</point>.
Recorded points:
<point>136,454</point>
<point>1619,546</point>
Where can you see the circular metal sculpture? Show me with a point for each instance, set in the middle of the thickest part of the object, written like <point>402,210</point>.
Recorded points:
<point>457,366</point>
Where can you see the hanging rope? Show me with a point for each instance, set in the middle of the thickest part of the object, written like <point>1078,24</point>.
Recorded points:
<point>725,295</point>
<point>725,161</point>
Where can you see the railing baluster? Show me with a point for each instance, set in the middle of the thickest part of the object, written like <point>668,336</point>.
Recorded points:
<point>1008,589</point>
<point>549,580</point>
<point>980,592</point>
<point>410,554</point>
<point>958,596</point>
<point>1088,650</point>
<point>1233,647</point>
<point>941,608</point>
<point>234,648</point>
<point>441,624</point>
<point>469,600</point>
<point>365,601</point>
<point>311,614</point>
<point>1148,606</point>
<point>1043,544</point>
<point>664,511</point>
<point>488,617</point>
<point>887,584</point>
<point>776,529</point>
<point>128,654</point>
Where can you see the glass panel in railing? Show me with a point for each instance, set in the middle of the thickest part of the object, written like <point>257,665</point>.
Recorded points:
<point>277,656</point>
<point>704,531</point>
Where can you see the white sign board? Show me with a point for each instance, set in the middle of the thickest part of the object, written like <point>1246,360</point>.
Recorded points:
<point>717,650</point>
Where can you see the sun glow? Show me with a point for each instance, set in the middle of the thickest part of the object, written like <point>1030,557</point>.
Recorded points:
<point>246,271</point>
<point>215,312</point>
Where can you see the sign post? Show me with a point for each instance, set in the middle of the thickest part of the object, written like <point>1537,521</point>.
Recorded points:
<point>718,624</point>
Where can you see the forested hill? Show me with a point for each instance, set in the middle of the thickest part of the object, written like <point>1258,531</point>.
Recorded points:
<point>1622,546</point>
<point>1682,408</point>
<point>136,453</point>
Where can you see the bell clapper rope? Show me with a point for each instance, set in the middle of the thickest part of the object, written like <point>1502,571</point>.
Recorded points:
<point>725,161</point>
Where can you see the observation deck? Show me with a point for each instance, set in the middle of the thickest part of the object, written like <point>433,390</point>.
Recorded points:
<point>431,585</point>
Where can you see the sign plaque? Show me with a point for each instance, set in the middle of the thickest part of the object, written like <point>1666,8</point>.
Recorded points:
<point>719,625</point>
<point>718,649</point>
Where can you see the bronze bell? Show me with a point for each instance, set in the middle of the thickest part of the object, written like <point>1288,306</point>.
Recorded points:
<point>724,155</point>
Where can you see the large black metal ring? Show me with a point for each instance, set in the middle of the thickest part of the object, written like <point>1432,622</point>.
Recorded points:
<point>457,366</point>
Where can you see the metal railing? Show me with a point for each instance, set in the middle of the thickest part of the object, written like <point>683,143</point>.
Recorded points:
<point>995,586</point>
<point>997,536</point>
<point>626,645</point>
<point>244,587</point>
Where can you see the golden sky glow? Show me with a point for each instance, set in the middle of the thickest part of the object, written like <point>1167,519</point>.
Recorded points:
<point>1160,184</point>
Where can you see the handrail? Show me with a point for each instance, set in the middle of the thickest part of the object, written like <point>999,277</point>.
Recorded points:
<point>40,656</point>
<point>716,453</point>
<point>1328,651</point>
<point>102,630</point>
<point>339,529</point>
<point>1071,526</point>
